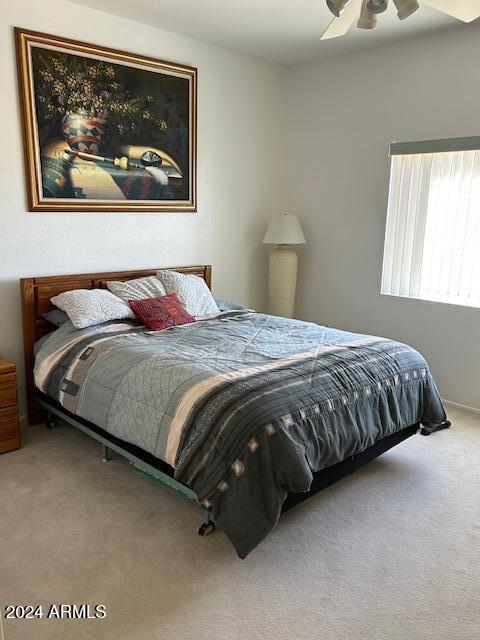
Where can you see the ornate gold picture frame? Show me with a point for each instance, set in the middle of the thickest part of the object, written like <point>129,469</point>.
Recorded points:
<point>105,130</point>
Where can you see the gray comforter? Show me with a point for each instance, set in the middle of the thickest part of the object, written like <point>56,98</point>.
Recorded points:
<point>244,406</point>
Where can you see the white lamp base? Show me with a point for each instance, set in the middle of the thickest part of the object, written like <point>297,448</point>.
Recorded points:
<point>282,281</point>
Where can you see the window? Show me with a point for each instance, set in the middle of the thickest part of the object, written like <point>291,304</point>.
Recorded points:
<point>432,241</point>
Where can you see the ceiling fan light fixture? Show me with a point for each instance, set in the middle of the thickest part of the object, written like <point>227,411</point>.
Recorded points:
<point>367,20</point>
<point>337,6</point>
<point>377,6</point>
<point>405,8</point>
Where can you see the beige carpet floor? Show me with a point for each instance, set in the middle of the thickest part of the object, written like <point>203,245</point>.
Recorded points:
<point>391,552</point>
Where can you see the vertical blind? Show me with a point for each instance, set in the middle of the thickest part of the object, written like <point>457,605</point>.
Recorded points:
<point>432,241</point>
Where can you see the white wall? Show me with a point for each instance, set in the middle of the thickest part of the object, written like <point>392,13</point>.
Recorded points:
<point>238,172</point>
<point>343,113</point>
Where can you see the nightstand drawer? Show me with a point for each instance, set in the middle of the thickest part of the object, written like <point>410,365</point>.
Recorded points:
<point>8,390</point>
<point>8,424</point>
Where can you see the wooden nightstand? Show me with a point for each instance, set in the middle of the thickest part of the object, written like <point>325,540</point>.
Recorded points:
<point>9,425</point>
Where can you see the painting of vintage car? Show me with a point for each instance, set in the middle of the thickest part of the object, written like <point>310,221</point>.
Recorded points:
<point>106,130</point>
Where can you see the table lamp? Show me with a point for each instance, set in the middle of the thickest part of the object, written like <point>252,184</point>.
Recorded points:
<point>283,231</point>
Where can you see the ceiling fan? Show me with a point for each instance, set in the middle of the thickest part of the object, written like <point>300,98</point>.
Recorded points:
<point>347,11</point>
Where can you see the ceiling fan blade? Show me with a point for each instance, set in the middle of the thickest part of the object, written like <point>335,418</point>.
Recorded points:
<point>466,10</point>
<point>340,26</point>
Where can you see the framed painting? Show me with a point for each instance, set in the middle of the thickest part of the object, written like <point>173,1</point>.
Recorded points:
<point>105,130</point>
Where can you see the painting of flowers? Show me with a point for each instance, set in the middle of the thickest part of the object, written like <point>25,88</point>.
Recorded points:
<point>106,130</point>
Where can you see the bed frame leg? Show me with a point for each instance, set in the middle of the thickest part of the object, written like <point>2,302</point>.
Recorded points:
<point>51,420</point>
<point>426,431</point>
<point>208,526</point>
<point>105,453</point>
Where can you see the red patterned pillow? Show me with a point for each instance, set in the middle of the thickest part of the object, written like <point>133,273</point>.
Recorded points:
<point>162,312</point>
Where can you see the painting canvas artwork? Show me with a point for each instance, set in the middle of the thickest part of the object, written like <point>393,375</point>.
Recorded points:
<point>105,130</point>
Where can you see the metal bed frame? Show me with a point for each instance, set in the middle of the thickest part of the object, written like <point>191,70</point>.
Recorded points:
<point>141,461</point>
<point>159,471</point>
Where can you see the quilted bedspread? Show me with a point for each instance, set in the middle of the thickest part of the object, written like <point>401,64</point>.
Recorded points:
<point>244,406</point>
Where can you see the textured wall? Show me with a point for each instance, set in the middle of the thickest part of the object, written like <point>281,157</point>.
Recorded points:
<point>343,113</point>
<point>238,171</point>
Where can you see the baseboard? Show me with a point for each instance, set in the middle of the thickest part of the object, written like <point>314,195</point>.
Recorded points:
<point>458,405</point>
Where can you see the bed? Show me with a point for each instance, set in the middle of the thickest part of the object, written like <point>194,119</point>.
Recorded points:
<point>245,413</point>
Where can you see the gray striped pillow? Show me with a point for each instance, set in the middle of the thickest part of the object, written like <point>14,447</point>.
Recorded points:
<point>139,289</point>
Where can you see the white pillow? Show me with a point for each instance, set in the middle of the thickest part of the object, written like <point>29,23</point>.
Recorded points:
<point>86,307</point>
<point>192,292</point>
<point>139,289</point>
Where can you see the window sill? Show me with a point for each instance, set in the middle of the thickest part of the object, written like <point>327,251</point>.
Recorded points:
<point>432,301</point>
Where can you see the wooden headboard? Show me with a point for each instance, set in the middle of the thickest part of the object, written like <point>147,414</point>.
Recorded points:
<point>36,294</point>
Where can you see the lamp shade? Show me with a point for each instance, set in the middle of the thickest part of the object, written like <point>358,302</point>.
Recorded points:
<point>284,229</point>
